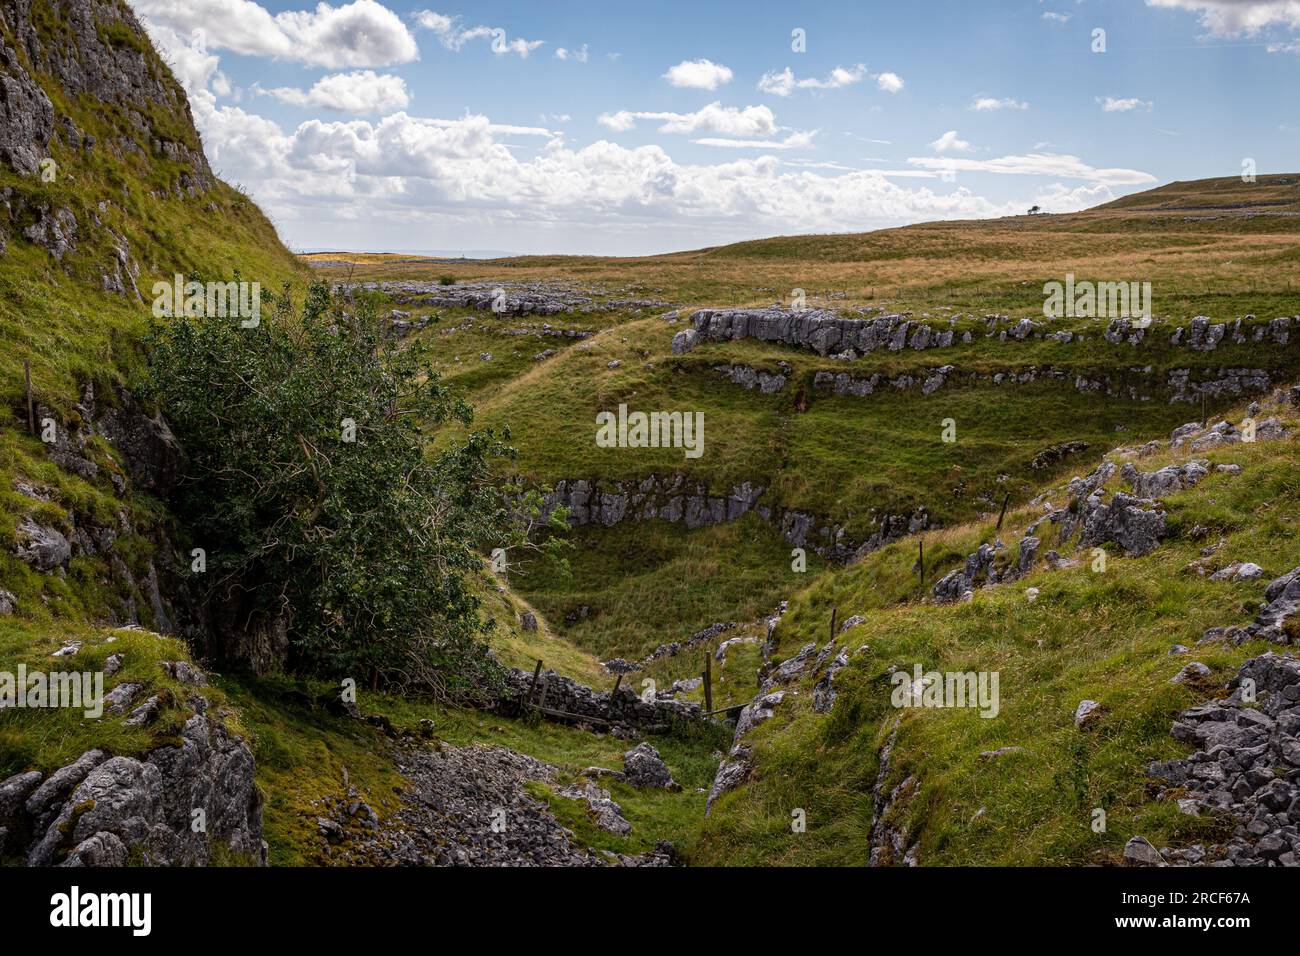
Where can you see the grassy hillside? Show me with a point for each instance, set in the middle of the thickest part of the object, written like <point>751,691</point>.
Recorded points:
<point>1105,636</point>
<point>1215,247</point>
<point>138,188</point>
<point>130,173</point>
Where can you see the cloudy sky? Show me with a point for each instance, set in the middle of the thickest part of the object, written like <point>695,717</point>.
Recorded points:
<point>620,128</point>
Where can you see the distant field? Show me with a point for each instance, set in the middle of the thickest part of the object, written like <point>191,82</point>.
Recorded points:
<point>1219,247</point>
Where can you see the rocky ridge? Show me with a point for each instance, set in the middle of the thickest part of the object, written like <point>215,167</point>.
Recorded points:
<point>830,333</point>
<point>674,498</point>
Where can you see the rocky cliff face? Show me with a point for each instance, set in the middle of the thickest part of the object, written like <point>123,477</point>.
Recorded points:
<point>96,137</point>
<point>674,498</point>
<point>95,49</point>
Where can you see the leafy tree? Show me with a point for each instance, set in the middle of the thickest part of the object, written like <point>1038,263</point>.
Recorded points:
<point>327,519</point>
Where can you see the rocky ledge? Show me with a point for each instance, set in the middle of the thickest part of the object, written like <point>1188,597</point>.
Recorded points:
<point>1246,770</point>
<point>173,806</point>
<point>827,332</point>
<point>509,298</point>
<point>674,498</point>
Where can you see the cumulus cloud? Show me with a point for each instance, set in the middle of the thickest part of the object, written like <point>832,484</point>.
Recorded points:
<point>362,91</point>
<point>1055,165</point>
<point>1231,18</point>
<point>579,55</point>
<point>1053,17</point>
<point>986,103</point>
<point>412,170</point>
<point>698,74</point>
<point>785,82</point>
<point>193,66</point>
<point>358,34</point>
<point>452,35</point>
<point>949,142</point>
<point>889,82</point>
<point>713,118</point>
<point>1111,104</point>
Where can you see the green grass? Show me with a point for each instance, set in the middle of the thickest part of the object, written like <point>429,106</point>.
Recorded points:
<point>1101,636</point>
<point>48,738</point>
<point>652,582</point>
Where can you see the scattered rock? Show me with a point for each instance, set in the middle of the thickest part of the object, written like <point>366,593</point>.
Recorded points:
<point>1087,713</point>
<point>1139,852</point>
<point>1191,673</point>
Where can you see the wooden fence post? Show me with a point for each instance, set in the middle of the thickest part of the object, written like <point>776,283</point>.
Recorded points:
<point>834,611</point>
<point>532,688</point>
<point>920,561</point>
<point>1003,513</point>
<point>708,682</point>
<point>614,692</point>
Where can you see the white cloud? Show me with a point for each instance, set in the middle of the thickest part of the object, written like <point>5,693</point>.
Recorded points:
<point>579,55</point>
<point>698,74</point>
<point>1056,165</point>
<point>362,91</point>
<point>793,141</point>
<point>1059,198</point>
<point>889,82</point>
<point>1054,17</point>
<point>713,118</point>
<point>986,103</point>
<point>430,173</point>
<point>1110,104</point>
<point>453,36</point>
<point>950,142</point>
<point>194,68</point>
<point>785,82</point>
<point>1230,18</point>
<point>357,34</point>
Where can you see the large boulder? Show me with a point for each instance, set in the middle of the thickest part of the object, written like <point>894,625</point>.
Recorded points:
<point>1136,524</point>
<point>684,341</point>
<point>1283,597</point>
<point>644,768</point>
<point>45,549</point>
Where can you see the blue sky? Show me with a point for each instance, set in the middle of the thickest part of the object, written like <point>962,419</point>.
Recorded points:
<point>636,128</point>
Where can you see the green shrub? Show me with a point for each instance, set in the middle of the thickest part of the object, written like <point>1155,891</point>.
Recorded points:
<point>310,487</point>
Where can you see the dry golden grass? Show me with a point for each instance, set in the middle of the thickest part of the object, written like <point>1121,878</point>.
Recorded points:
<point>1212,245</point>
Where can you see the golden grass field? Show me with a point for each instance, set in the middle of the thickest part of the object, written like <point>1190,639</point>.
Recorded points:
<point>1208,246</point>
